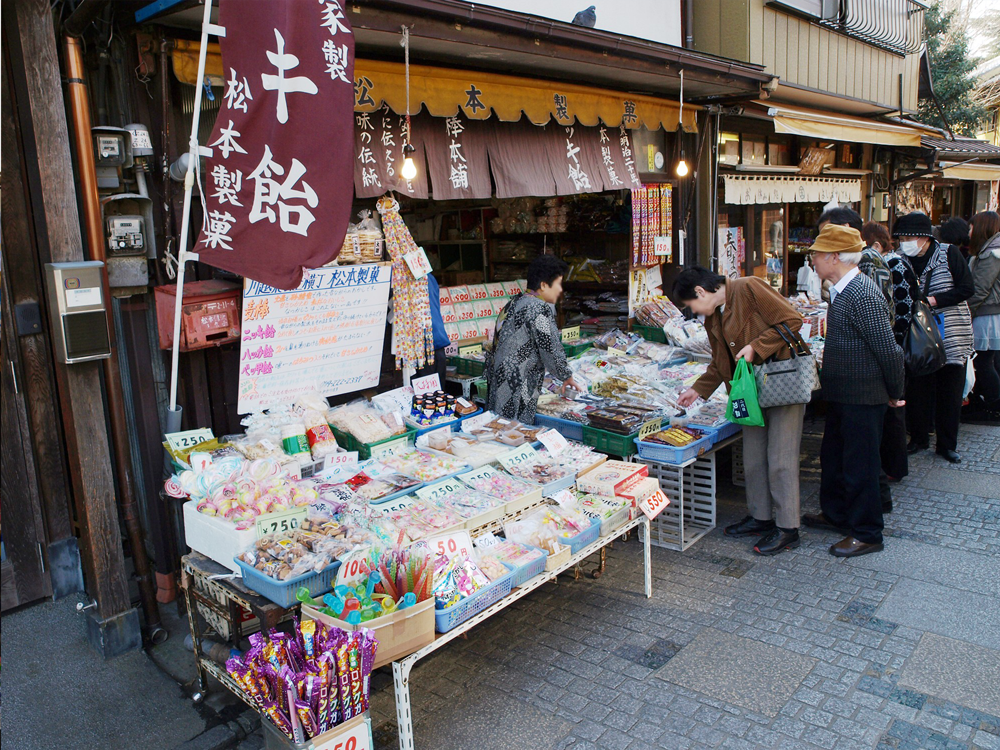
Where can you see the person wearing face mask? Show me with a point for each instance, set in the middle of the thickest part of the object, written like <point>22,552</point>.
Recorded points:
<point>946,282</point>
<point>741,316</point>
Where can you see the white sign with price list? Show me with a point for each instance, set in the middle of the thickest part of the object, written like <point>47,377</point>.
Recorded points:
<point>653,505</point>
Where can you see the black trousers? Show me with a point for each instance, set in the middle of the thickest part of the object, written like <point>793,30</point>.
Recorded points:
<point>987,364</point>
<point>936,399</point>
<point>893,447</point>
<point>440,366</point>
<point>849,488</point>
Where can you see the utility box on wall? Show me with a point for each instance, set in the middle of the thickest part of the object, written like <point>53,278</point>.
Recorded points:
<point>210,314</point>
<point>77,308</point>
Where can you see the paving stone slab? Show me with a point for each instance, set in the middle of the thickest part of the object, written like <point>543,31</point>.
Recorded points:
<point>959,672</point>
<point>744,672</point>
<point>965,615</point>
<point>936,564</point>
<point>961,482</point>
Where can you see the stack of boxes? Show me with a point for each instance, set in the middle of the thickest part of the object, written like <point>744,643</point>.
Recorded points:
<point>471,311</point>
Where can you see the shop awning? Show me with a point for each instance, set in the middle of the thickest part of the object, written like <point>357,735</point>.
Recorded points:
<point>744,191</point>
<point>978,171</point>
<point>814,124</point>
<point>444,92</point>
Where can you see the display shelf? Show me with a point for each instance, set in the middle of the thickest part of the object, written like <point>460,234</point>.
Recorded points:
<point>401,669</point>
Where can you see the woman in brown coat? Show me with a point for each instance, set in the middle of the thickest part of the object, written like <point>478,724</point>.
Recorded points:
<point>740,315</point>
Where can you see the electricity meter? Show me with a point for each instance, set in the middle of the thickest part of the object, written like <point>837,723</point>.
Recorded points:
<point>126,235</point>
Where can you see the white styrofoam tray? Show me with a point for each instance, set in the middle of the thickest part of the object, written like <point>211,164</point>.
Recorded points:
<point>215,537</point>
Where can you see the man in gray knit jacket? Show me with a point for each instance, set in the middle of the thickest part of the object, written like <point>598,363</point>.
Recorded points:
<point>862,375</point>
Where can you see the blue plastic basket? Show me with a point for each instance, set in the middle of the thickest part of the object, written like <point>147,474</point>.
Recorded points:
<point>722,432</point>
<point>667,454</point>
<point>282,593</point>
<point>550,489</point>
<point>452,617</point>
<point>581,540</point>
<point>566,427</point>
<point>528,571</point>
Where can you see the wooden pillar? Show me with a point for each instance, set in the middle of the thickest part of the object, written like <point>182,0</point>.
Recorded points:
<point>114,627</point>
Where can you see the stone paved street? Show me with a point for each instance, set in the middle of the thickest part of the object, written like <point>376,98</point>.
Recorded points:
<point>898,650</point>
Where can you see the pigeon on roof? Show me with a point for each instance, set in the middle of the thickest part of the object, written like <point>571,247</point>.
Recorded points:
<point>586,17</point>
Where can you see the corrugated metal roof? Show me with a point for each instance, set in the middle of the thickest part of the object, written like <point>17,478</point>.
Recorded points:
<point>964,146</point>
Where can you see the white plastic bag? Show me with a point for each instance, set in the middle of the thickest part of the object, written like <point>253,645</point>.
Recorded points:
<point>970,377</point>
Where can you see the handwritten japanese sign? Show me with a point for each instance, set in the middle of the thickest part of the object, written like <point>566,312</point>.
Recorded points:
<point>282,141</point>
<point>325,336</point>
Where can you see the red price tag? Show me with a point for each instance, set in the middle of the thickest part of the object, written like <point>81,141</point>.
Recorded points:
<point>354,569</point>
<point>458,544</point>
<point>358,737</point>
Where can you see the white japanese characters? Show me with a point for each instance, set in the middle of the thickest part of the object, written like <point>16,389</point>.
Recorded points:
<point>285,62</point>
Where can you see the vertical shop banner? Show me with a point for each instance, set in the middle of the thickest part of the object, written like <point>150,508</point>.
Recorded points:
<point>325,336</point>
<point>732,252</point>
<point>455,148</point>
<point>378,155</point>
<point>278,196</point>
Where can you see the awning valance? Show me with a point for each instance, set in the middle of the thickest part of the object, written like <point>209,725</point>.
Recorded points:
<point>978,171</point>
<point>743,191</point>
<point>815,124</point>
<point>444,92</point>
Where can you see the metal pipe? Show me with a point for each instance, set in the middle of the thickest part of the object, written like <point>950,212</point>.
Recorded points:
<point>80,111</point>
<point>165,151</point>
<point>688,20</point>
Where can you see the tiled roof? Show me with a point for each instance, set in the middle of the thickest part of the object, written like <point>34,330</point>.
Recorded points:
<point>963,146</point>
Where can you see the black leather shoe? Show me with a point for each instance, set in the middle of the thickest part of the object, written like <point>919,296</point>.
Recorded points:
<point>851,547</point>
<point>950,456</point>
<point>914,447</point>
<point>749,526</point>
<point>820,521</point>
<point>777,541</point>
<point>886,508</point>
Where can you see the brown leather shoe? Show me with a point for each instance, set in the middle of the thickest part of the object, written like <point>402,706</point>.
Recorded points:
<point>820,521</point>
<point>851,547</point>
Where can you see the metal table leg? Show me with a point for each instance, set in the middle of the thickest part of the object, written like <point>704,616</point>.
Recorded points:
<point>646,558</point>
<point>187,582</point>
<point>404,717</point>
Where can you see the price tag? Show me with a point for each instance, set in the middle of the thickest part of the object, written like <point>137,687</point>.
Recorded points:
<point>440,490</point>
<point>806,331</point>
<point>426,384</point>
<point>451,350</point>
<point>569,335</point>
<point>615,352</point>
<point>552,440</point>
<point>200,461</point>
<point>662,245</point>
<point>484,541</point>
<point>392,448</point>
<point>354,569</point>
<point>648,428</point>
<point>181,441</point>
<point>417,262</point>
<point>653,505</point>
<point>280,521</point>
<point>523,455</point>
<point>452,545</point>
<point>564,498</point>
<point>359,737</point>
<point>477,421</point>
<point>470,349</point>
<point>347,461</point>
<point>393,505</point>
<point>400,399</point>
<point>486,472</point>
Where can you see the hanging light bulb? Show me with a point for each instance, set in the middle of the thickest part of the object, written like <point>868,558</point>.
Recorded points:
<point>409,170</point>
<point>682,166</point>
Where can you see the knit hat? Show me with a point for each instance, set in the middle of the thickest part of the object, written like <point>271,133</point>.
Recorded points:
<point>834,238</point>
<point>914,224</point>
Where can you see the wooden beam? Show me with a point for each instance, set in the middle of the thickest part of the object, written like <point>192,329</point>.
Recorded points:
<point>45,134</point>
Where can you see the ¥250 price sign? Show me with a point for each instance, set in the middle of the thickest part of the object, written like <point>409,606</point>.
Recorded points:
<point>280,521</point>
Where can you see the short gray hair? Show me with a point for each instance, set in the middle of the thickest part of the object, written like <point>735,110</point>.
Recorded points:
<point>851,259</point>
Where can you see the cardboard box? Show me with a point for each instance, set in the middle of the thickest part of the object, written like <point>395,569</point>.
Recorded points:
<point>642,489</point>
<point>612,478</point>
<point>459,278</point>
<point>398,634</point>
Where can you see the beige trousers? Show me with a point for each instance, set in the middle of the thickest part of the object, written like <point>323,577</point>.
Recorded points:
<point>771,465</point>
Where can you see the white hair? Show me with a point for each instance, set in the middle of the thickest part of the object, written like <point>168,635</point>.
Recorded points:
<point>851,259</point>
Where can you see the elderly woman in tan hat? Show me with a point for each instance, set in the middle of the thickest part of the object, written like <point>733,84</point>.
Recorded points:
<point>862,375</point>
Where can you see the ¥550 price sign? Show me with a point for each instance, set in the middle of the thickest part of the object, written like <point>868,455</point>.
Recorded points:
<point>358,737</point>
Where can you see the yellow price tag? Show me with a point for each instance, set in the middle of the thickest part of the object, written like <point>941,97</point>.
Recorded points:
<point>470,349</point>
<point>616,352</point>
<point>650,427</point>
<point>570,334</point>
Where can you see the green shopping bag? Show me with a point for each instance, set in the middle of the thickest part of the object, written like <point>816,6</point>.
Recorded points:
<point>743,407</point>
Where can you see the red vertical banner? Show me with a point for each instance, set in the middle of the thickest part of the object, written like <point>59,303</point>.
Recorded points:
<point>278,182</point>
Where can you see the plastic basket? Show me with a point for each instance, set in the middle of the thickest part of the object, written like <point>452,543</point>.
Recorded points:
<point>466,366</point>
<point>528,571</point>
<point>667,454</point>
<point>458,426</point>
<point>722,432</point>
<point>452,617</point>
<point>560,558</point>
<point>349,442</point>
<point>282,593</point>
<point>550,489</point>
<point>615,521</point>
<point>481,388</point>
<point>573,350</point>
<point>651,333</point>
<point>611,443</point>
<point>581,540</point>
<point>566,427</point>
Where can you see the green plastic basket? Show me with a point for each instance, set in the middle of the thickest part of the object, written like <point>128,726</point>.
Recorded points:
<point>610,443</point>
<point>466,366</point>
<point>574,349</point>
<point>481,388</point>
<point>351,443</point>
<point>651,333</point>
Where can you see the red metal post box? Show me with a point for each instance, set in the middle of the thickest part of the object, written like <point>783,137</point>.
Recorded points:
<point>210,314</point>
